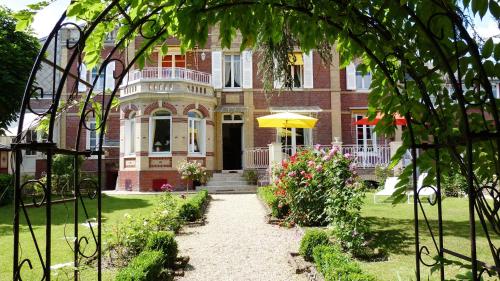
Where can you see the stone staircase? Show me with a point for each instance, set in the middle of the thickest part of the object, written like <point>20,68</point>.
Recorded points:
<point>228,183</point>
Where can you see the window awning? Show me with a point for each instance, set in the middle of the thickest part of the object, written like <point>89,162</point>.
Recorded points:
<point>297,109</point>
<point>296,58</point>
<point>231,108</point>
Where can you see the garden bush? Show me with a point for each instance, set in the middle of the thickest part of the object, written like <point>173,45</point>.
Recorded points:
<point>335,265</point>
<point>6,189</point>
<point>147,266</point>
<point>311,239</point>
<point>164,241</point>
<point>251,176</point>
<point>267,194</point>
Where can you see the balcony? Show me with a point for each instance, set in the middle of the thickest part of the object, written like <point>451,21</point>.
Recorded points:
<point>168,80</point>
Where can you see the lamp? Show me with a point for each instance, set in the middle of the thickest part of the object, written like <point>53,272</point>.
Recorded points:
<point>203,56</point>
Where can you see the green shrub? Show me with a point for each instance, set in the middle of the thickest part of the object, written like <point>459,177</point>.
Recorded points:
<point>147,266</point>
<point>6,189</point>
<point>164,241</point>
<point>311,239</point>
<point>251,176</point>
<point>382,173</point>
<point>335,265</point>
<point>192,207</point>
<point>278,209</point>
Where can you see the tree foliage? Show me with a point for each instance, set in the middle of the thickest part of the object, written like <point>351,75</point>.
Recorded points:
<point>17,53</point>
<point>427,65</point>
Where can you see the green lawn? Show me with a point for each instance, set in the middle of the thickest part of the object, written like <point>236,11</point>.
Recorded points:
<point>393,227</point>
<point>114,209</point>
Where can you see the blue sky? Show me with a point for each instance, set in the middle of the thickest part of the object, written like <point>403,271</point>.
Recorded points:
<point>487,27</point>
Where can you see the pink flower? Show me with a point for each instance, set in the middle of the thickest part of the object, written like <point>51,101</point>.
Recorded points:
<point>352,167</point>
<point>167,187</point>
<point>326,158</point>
<point>302,172</point>
<point>310,163</point>
<point>333,151</point>
<point>276,182</point>
<point>292,174</point>
<point>347,155</point>
<point>317,146</point>
<point>319,168</point>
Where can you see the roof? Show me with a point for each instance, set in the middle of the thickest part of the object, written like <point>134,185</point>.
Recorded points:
<point>30,121</point>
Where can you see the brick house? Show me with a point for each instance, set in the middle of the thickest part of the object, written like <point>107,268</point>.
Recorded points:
<point>202,106</point>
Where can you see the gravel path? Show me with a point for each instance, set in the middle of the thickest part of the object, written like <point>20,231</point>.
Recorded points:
<point>237,244</point>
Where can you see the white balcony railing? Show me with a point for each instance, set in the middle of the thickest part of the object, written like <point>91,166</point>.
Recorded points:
<point>256,158</point>
<point>369,156</point>
<point>175,74</point>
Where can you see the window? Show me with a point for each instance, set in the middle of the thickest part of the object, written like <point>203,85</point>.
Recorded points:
<point>173,61</point>
<point>292,138</point>
<point>130,135</point>
<point>196,133</point>
<point>31,136</point>
<point>160,128</point>
<point>233,118</point>
<point>100,81</point>
<point>297,69</point>
<point>365,135</point>
<point>363,82</point>
<point>92,136</point>
<point>232,71</point>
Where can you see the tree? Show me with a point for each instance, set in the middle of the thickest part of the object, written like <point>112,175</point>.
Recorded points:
<point>17,53</point>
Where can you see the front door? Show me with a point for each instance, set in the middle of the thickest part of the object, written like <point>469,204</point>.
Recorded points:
<point>231,146</point>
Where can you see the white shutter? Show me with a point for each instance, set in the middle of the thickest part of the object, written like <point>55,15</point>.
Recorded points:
<point>351,76</point>
<point>203,130</point>
<point>247,69</point>
<point>217,69</point>
<point>278,83</point>
<point>110,79</point>
<point>308,70</point>
<point>83,76</point>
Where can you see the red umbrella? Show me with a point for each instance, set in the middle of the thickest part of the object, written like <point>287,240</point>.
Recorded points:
<point>398,120</point>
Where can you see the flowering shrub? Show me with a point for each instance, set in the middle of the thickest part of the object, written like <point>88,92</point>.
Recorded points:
<point>167,187</point>
<point>319,186</point>
<point>193,171</point>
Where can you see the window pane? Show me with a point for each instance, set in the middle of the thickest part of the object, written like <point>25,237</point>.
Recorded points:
<point>227,71</point>
<point>167,61</point>
<point>227,117</point>
<point>180,61</point>
<point>359,80</point>
<point>93,137</point>
<point>161,139</point>
<point>297,76</point>
<point>367,80</point>
<point>100,80</point>
<point>132,136</point>
<point>238,117</point>
<point>299,136</point>
<point>237,71</point>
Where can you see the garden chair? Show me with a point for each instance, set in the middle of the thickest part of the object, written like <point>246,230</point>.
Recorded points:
<point>423,191</point>
<point>389,188</point>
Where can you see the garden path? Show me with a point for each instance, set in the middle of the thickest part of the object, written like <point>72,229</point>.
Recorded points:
<point>237,244</point>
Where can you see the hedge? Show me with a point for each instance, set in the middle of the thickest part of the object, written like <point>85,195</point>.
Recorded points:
<point>147,266</point>
<point>6,189</point>
<point>335,265</point>
<point>164,241</point>
<point>192,208</point>
<point>311,239</point>
<point>266,193</point>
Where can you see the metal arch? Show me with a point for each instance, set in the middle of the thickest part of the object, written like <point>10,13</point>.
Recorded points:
<point>50,148</point>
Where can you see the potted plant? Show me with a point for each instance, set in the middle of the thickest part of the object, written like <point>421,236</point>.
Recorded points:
<point>193,171</point>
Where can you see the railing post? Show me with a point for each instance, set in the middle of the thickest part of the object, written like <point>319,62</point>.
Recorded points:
<point>394,146</point>
<point>275,156</point>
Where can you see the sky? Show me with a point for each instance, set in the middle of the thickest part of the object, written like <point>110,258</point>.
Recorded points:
<point>46,19</point>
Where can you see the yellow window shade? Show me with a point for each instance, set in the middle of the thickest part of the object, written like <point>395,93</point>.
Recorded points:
<point>296,58</point>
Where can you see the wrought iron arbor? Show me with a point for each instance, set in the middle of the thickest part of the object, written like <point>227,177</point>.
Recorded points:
<point>463,148</point>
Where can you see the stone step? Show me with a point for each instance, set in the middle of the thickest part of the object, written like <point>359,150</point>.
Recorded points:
<point>227,179</point>
<point>229,189</point>
<point>226,183</point>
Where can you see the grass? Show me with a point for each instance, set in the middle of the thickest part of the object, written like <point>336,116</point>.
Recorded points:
<point>393,229</point>
<point>113,210</point>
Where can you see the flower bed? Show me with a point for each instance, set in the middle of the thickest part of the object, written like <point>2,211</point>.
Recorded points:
<point>134,243</point>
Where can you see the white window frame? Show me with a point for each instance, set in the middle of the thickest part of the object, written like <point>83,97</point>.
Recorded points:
<point>91,124</point>
<point>360,75</point>
<point>130,127</point>
<point>152,119</point>
<point>365,128</point>
<point>232,87</point>
<point>232,119</point>
<point>293,137</point>
<point>191,135</point>
<point>99,86</point>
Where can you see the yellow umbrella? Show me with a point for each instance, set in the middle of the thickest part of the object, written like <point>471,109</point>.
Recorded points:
<point>286,120</point>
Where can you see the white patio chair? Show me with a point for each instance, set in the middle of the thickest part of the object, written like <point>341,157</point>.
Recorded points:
<point>423,191</point>
<point>389,188</point>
